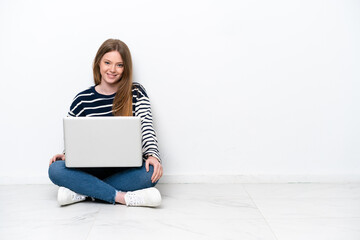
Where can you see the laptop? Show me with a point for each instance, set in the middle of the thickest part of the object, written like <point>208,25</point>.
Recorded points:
<point>102,142</point>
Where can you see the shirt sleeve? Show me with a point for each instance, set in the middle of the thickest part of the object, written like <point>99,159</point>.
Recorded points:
<point>75,107</point>
<point>143,110</point>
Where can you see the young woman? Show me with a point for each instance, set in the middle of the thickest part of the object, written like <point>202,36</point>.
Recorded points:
<point>114,94</point>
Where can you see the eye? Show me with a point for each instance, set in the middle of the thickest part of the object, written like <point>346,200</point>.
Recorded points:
<point>107,63</point>
<point>120,65</point>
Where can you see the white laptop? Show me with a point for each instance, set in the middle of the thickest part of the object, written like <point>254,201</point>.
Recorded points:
<point>102,141</point>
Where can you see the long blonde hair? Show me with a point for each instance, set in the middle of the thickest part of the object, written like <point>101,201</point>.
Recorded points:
<point>122,105</point>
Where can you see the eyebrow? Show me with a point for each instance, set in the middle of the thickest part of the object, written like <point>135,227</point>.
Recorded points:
<point>110,61</point>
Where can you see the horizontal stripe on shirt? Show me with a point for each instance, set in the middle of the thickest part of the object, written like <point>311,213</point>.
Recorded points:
<point>90,103</point>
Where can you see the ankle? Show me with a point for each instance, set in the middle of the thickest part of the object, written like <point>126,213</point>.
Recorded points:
<point>120,197</point>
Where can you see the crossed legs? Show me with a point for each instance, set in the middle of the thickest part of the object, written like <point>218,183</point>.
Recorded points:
<point>107,184</point>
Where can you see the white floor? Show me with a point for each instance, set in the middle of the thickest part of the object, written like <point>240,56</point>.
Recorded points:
<point>189,211</point>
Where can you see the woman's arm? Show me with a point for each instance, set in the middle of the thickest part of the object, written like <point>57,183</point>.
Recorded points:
<point>149,141</point>
<point>143,110</point>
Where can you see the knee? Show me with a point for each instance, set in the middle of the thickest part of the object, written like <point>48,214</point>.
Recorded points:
<point>55,171</point>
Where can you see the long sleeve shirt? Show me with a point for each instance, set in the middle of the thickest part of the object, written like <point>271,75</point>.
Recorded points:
<point>90,103</point>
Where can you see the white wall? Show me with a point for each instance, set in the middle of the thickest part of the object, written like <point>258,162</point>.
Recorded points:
<point>245,88</point>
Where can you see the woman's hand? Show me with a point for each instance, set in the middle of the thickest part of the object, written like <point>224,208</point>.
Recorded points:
<point>158,170</point>
<point>57,157</point>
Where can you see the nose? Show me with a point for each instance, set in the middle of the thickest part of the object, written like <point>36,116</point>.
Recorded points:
<point>113,68</point>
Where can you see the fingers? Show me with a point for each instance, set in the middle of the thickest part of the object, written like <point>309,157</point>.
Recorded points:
<point>157,168</point>
<point>158,175</point>
<point>57,157</point>
<point>53,159</point>
<point>157,172</point>
<point>147,166</point>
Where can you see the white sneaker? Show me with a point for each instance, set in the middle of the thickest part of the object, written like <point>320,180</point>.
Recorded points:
<point>66,196</point>
<point>148,197</point>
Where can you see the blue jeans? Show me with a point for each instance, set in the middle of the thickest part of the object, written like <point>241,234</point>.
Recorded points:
<point>101,183</point>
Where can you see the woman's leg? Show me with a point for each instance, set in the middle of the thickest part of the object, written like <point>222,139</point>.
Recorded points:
<point>135,186</point>
<point>81,182</point>
<point>131,179</point>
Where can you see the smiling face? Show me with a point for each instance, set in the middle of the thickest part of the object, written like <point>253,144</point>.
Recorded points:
<point>111,68</point>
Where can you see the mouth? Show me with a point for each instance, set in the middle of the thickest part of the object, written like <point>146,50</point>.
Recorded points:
<point>111,75</point>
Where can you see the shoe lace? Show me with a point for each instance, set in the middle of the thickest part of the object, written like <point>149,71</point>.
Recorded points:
<point>77,197</point>
<point>135,199</point>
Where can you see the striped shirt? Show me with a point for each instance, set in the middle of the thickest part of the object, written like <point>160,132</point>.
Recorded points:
<point>90,103</point>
